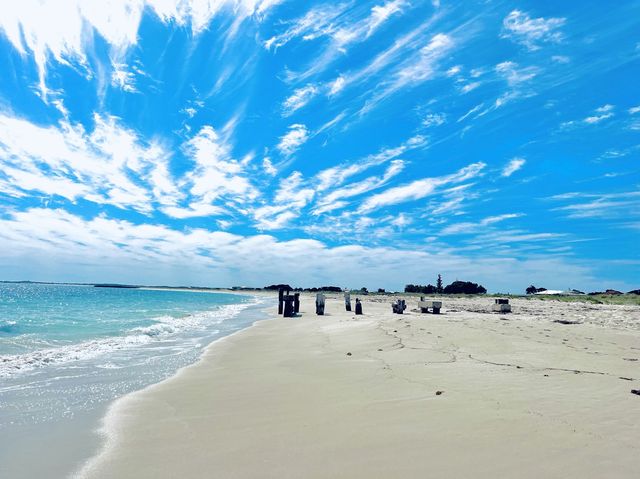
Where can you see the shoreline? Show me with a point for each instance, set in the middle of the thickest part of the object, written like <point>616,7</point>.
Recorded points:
<point>346,396</point>
<point>108,421</point>
<point>69,433</point>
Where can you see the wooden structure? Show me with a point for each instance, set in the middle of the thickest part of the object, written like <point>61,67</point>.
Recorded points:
<point>502,305</point>
<point>424,306</point>
<point>296,303</point>
<point>320,304</point>
<point>280,300</point>
<point>289,308</point>
<point>347,300</point>
<point>399,306</point>
<point>288,304</point>
<point>358,306</point>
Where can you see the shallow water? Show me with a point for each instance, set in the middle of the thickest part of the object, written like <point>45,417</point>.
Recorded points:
<point>66,352</point>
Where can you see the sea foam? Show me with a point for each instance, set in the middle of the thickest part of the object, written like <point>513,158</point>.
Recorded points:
<point>164,328</point>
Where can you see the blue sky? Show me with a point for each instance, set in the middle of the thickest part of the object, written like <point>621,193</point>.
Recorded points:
<point>372,144</point>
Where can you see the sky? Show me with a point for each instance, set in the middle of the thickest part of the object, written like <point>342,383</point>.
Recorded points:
<point>355,143</point>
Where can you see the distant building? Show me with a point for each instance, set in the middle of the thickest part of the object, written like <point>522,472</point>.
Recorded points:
<point>557,292</point>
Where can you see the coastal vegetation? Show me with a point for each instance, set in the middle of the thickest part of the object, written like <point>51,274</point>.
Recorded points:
<point>457,287</point>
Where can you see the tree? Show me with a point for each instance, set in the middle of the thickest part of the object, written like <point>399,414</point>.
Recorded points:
<point>276,287</point>
<point>533,290</point>
<point>439,285</point>
<point>464,287</point>
<point>416,288</point>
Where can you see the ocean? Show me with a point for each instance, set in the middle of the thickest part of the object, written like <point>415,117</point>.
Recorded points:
<point>66,352</point>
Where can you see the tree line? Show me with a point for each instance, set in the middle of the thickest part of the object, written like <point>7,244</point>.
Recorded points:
<point>457,287</point>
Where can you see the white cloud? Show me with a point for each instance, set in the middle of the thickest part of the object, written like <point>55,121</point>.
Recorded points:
<point>622,206</point>
<point>268,167</point>
<point>470,87</point>
<point>64,31</point>
<point>56,240</point>
<point>317,22</point>
<point>605,108</point>
<point>422,67</point>
<point>531,32</point>
<point>381,13</point>
<point>123,79</point>
<point>114,165</point>
<point>110,164</point>
<point>341,24</point>
<point>599,115</point>
<point>337,85</point>
<point>292,195</point>
<point>467,228</point>
<point>335,199</point>
<point>434,119</point>
<point>293,139</point>
<point>513,166</point>
<point>475,109</point>
<point>416,69</point>
<point>453,71</point>
<point>189,111</point>
<point>216,175</point>
<point>419,189</point>
<point>634,110</point>
<point>597,118</point>
<point>515,75</point>
<point>337,175</point>
<point>194,210</point>
<point>298,99</point>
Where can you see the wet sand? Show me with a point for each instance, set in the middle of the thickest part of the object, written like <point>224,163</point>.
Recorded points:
<point>468,393</point>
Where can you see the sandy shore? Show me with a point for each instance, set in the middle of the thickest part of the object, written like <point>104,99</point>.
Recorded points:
<point>467,394</point>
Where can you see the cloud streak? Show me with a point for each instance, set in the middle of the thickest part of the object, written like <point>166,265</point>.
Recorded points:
<point>532,32</point>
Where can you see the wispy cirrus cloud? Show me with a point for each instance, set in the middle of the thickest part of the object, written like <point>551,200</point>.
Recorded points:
<point>532,32</point>
<point>599,115</point>
<point>434,119</point>
<point>514,165</point>
<point>113,165</point>
<point>417,69</point>
<point>337,175</point>
<point>291,141</point>
<point>299,99</point>
<point>468,227</point>
<point>291,196</point>
<point>216,175</point>
<point>64,32</point>
<point>108,165</point>
<point>336,198</point>
<point>342,25</point>
<point>515,75</point>
<point>624,206</point>
<point>419,189</point>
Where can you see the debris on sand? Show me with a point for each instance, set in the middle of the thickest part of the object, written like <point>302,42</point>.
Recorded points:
<point>567,321</point>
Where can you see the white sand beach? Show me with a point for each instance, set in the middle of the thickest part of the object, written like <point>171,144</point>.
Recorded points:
<point>466,394</point>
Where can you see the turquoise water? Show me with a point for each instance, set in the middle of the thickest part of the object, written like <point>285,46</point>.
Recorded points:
<point>66,352</point>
